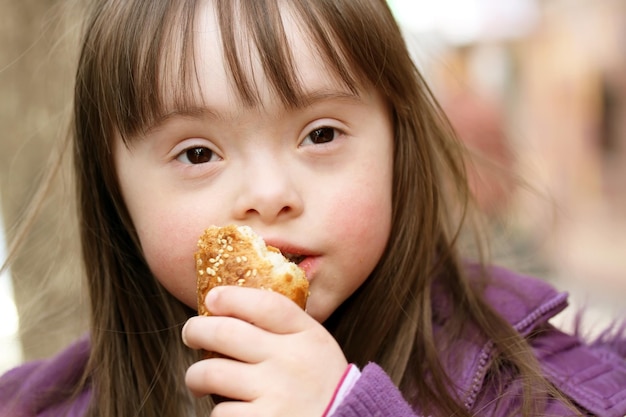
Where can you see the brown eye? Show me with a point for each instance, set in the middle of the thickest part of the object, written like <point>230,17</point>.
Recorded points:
<point>322,135</point>
<point>197,155</point>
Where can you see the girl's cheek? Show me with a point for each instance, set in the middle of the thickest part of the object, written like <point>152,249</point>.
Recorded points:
<point>362,212</point>
<point>177,276</point>
<point>169,250</point>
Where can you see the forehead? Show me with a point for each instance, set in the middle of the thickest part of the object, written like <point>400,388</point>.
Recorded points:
<point>233,61</point>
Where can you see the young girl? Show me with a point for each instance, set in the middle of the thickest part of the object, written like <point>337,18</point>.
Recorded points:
<point>307,121</point>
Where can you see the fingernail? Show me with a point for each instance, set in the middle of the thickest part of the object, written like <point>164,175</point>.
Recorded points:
<point>183,333</point>
<point>211,297</point>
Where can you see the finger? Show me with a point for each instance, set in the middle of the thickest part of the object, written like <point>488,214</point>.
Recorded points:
<point>266,309</point>
<point>224,377</point>
<point>229,336</point>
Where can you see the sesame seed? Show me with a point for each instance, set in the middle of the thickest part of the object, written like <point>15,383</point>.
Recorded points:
<point>229,248</point>
<point>219,279</point>
<point>248,272</point>
<point>241,281</point>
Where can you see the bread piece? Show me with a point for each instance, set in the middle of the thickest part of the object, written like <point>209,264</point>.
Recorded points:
<point>236,255</point>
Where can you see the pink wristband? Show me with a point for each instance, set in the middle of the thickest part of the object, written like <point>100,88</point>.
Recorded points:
<point>347,381</point>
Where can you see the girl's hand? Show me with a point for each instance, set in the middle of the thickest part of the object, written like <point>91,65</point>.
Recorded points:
<point>284,363</point>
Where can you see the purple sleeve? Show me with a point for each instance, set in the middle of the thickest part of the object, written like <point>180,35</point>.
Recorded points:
<point>374,394</point>
<point>47,388</point>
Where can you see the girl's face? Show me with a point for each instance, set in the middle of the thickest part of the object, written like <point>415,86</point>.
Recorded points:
<point>314,181</point>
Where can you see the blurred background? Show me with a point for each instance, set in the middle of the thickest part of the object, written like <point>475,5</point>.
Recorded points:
<point>534,87</point>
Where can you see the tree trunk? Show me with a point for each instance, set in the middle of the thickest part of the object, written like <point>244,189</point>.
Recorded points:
<point>38,49</point>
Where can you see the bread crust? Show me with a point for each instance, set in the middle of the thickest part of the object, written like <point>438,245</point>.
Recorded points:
<point>228,256</point>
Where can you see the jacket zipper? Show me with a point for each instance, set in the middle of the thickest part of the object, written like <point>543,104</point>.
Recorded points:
<point>485,355</point>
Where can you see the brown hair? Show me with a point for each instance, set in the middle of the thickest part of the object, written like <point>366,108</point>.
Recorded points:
<point>138,362</point>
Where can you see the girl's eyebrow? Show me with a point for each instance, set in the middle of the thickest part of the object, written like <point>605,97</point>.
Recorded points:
<point>314,97</point>
<point>197,113</point>
<point>194,112</point>
<point>206,112</point>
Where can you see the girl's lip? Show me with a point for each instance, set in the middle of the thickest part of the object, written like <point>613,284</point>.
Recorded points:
<point>308,258</point>
<point>289,250</point>
<point>308,266</point>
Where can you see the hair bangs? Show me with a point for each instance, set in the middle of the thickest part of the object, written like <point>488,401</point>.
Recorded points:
<point>141,64</point>
<point>256,30</point>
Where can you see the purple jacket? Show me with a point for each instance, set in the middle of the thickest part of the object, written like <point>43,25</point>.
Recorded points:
<point>593,376</point>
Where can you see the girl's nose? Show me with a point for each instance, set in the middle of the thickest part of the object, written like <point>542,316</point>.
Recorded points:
<point>268,192</point>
